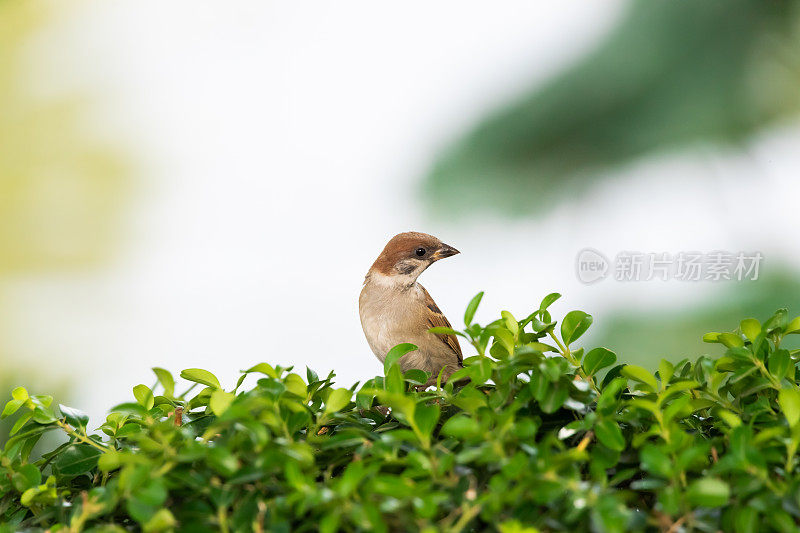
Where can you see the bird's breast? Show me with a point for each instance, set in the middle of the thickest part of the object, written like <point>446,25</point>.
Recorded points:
<point>388,316</point>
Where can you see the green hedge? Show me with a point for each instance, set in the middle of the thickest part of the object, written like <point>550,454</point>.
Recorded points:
<point>540,435</point>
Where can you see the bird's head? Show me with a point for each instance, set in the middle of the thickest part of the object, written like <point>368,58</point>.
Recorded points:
<point>407,255</point>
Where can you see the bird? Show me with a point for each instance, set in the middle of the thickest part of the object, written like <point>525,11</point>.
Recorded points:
<point>395,308</point>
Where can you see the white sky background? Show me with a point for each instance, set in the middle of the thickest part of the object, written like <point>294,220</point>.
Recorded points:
<point>278,146</point>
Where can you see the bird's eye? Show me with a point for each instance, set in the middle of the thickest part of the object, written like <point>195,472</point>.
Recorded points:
<point>420,252</point>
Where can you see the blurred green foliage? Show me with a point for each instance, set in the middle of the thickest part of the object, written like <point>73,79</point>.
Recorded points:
<point>644,336</point>
<point>671,74</point>
<point>62,187</point>
<point>539,435</point>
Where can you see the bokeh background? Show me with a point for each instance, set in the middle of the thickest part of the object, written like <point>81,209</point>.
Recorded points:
<point>196,184</point>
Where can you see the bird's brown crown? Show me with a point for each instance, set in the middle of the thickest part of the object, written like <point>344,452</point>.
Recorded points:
<point>404,246</point>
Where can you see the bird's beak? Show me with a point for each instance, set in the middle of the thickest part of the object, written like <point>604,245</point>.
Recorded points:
<point>445,250</point>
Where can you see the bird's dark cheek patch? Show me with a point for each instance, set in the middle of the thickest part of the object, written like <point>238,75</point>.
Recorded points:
<point>406,268</point>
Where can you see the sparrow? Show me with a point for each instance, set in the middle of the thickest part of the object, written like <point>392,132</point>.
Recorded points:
<point>394,308</point>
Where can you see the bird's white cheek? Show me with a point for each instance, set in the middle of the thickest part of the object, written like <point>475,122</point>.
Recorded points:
<point>380,280</point>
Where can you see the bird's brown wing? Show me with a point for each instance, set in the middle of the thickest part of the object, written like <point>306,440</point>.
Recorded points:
<point>437,319</point>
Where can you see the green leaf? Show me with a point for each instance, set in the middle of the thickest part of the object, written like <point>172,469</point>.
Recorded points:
<point>746,520</point>
<point>44,415</point>
<point>506,339</point>
<point>793,326</point>
<point>461,426</point>
<point>731,340</point>
<point>394,381</point>
<point>553,368</point>
<point>789,401</point>
<point>110,460</point>
<point>751,328</point>
<point>609,433</point>
<point>44,494</point>
<point>730,418</point>
<point>21,421</point>
<point>144,396</point>
<point>554,397</point>
<point>220,401</point>
<point>480,370</point>
<point>548,300</point>
<point>541,327</point>
<point>162,520</point>
<point>641,375</point>
<point>26,477</point>
<point>19,393</point>
<point>776,322</point>
<point>263,368</point>
<point>511,323</point>
<point>426,418</point>
<point>11,407</point>
<point>75,417</point>
<point>607,401</point>
<point>781,521</point>
<point>416,376</point>
<point>167,381</point>
<point>541,347</point>
<point>395,354</point>
<point>665,371</point>
<point>399,403</point>
<point>708,492</point>
<point>469,314</point>
<point>77,459</point>
<point>337,400</point>
<point>656,461</point>
<point>45,400</point>
<point>351,478</point>
<point>779,363</point>
<point>295,384</point>
<point>204,377</point>
<point>574,325</point>
<point>145,500</point>
<point>597,359</point>
<point>679,386</point>
<point>127,430</point>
